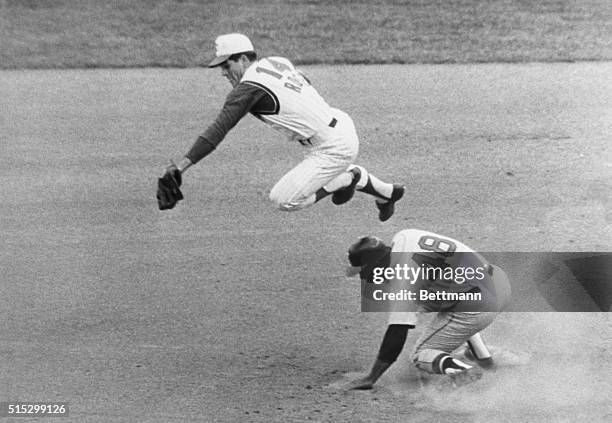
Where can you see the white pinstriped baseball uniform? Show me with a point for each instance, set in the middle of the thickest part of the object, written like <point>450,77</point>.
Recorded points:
<point>275,92</point>
<point>305,117</point>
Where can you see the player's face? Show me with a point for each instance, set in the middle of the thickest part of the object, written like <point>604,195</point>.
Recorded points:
<point>233,70</point>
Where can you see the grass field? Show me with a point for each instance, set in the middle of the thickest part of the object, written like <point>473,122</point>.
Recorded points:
<point>227,310</point>
<point>136,33</point>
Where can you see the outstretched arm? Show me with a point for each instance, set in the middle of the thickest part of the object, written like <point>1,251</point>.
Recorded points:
<point>238,103</point>
<point>390,349</point>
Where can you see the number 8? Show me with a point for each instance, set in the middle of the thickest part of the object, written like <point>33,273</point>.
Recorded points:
<point>437,245</point>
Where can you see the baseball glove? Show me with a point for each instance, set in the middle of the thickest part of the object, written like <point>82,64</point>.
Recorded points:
<point>168,188</point>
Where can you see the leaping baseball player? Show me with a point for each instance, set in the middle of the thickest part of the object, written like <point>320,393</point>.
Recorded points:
<point>278,94</point>
<point>448,328</point>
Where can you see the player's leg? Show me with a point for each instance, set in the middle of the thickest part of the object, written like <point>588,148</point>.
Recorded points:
<point>343,186</point>
<point>328,170</point>
<point>370,184</point>
<point>444,334</point>
<point>317,176</point>
<point>385,193</point>
<point>477,351</point>
<point>342,140</point>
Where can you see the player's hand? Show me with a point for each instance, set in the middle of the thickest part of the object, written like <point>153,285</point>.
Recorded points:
<point>351,271</point>
<point>173,170</point>
<point>362,384</point>
<point>168,191</point>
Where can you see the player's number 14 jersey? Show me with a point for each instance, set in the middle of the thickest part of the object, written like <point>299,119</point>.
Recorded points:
<point>299,112</point>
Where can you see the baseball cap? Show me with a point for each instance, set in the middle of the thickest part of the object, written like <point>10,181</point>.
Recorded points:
<point>365,251</point>
<point>228,44</point>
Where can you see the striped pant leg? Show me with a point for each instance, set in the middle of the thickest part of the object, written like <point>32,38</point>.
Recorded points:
<point>446,332</point>
<point>296,189</point>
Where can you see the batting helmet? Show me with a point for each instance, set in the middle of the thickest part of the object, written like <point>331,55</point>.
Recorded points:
<point>367,253</point>
<point>369,249</point>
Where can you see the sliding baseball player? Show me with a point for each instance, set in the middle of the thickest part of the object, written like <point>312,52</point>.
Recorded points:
<point>448,326</point>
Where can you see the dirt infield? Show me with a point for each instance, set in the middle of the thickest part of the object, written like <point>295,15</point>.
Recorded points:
<point>227,310</point>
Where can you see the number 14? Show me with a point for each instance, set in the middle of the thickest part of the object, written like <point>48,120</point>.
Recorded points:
<point>293,82</point>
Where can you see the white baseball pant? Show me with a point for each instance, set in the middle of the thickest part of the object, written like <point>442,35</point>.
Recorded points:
<point>331,155</point>
<point>446,332</point>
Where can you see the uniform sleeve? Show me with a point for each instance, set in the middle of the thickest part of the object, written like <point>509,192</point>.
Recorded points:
<point>237,104</point>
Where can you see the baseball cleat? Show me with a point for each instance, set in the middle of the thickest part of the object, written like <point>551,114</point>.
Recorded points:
<point>387,209</point>
<point>344,195</point>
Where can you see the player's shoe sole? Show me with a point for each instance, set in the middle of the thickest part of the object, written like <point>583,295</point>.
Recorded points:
<point>387,209</point>
<point>344,195</point>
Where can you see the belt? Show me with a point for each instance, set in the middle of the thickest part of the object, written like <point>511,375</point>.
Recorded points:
<point>332,124</point>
